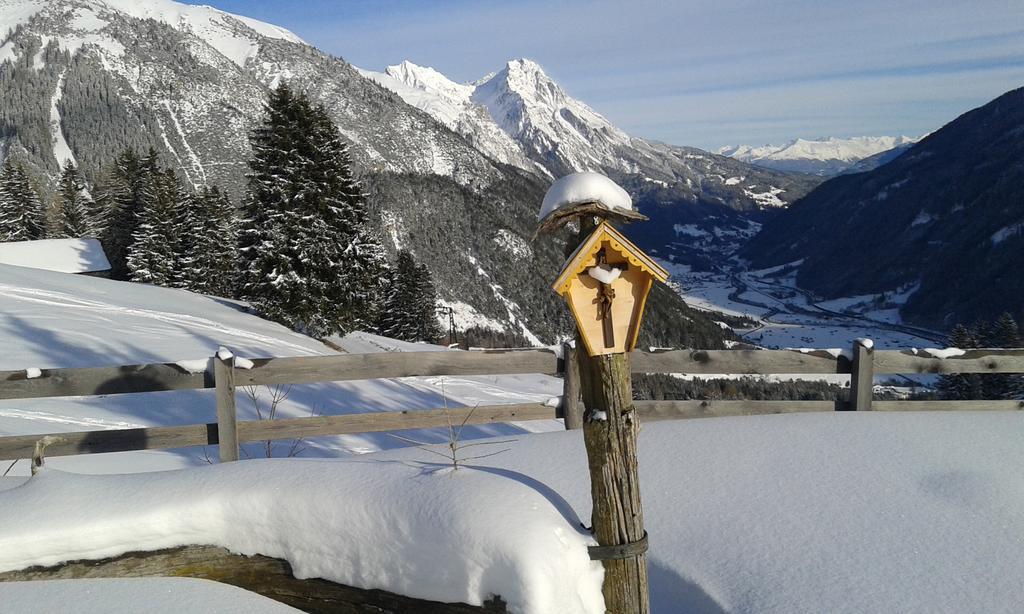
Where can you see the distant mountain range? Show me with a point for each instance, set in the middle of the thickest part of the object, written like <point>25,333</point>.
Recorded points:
<point>946,217</point>
<point>825,156</point>
<point>520,116</point>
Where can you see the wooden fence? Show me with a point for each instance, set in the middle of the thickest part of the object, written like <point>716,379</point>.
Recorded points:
<point>862,363</point>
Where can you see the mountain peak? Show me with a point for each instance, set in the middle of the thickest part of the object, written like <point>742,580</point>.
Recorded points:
<point>428,79</point>
<point>89,22</point>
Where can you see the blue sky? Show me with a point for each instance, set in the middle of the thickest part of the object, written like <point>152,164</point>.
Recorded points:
<point>701,73</point>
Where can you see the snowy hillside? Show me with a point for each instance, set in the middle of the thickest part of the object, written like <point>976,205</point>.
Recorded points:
<point>824,156</point>
<point>62,320</point>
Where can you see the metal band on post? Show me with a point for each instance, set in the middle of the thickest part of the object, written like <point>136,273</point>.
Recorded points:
<point>624,551</point>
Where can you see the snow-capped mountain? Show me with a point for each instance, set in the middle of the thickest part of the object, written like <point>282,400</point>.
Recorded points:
<point>520,116</point>
<point>83,80</point>
<point>824,156</point>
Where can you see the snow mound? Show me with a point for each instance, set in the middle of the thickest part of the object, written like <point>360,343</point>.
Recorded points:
<point>135,595</point>
<point>60,255</point>
<point>582,188</point>
<point>420,529</point>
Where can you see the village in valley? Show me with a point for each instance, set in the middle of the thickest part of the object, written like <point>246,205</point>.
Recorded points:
<point>282,332</point>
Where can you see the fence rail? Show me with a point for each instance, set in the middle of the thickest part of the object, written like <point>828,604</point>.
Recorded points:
<point>225,374</point>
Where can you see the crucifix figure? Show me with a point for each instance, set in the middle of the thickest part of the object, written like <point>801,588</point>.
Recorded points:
<point>605,274</point>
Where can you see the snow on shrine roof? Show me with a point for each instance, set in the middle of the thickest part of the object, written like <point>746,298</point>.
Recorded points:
<point>61,255</point>
<point>581,188</point>
<point>580,259</point>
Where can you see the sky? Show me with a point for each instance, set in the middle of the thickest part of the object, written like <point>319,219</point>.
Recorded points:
<point>695,72</point>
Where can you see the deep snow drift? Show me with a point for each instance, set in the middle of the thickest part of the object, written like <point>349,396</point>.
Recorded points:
<point>799,513</point>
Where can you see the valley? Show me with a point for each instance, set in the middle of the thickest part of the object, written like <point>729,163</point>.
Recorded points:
<point>788,316</point>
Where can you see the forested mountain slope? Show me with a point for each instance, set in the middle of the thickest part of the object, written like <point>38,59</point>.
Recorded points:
<point>948,214</point>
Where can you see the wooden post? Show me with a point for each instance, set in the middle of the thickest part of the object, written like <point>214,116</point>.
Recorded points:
<point>572,408</point>
<point>610,430</point>
<point>227,416</point>
<point>862,376</point>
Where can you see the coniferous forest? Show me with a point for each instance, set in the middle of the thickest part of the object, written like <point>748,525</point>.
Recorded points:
<point>297,246</point>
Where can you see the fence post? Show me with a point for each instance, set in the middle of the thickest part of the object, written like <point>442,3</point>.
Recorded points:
<point>862,376</point>
<point>227,416</point>
<point>572,407</point>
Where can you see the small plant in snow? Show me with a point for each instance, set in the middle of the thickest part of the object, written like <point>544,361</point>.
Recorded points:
<point>455,445</point>
<point>263,412</point>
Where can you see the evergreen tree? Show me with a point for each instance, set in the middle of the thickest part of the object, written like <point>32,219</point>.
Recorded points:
<point>153,256</point>
<point>121,194</point>
<point>22,217</point>
<point>961,386</point>
<point>73,206</point>
<point>308,260</point>
<point>208,255</point>
<point>409,311</point>
<point>1005,334</point>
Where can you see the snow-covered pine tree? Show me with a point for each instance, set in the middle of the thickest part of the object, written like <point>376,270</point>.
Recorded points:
<point>409,311</point>
<point>396,318</point>
<point>428,328</point>
<point>22,216</point>
<point>121,192</point>
<point>153,256</point>
<point>73,205</point>
<point>308,259</point>
<point>961,386</point>
<point>208,254</point>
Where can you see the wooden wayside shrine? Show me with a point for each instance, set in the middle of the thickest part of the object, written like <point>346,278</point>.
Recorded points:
<point>606,281</point>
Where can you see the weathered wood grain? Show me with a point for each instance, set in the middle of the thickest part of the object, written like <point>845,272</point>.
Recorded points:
<point>947,405</point>
<point>295,428</point>
<point>121,440</point>
<point>738,361</point>
<point>272,578</point>
<point>227,412</point>
<point>653,411</point>
<point>308,369</point>
<point>155,438</point>
<point>862,378</point>
<point>610,431</point>
<point>572,404</point>
<point>973,361</point>
<point>101,380</point>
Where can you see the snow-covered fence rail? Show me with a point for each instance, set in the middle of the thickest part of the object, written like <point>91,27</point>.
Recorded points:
<point>862,364</point>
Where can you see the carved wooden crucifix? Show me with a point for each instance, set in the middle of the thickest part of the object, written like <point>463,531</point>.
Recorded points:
<point>604,303</point>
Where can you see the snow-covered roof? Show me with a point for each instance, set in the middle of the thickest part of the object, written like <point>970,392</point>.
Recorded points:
<point>582,188</point>
<point>61,255</point>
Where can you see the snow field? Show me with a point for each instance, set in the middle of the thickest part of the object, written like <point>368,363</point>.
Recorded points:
<point>919,512</point>
<point>135,596</point>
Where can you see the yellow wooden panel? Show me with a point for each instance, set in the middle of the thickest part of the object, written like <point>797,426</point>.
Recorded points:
<point>630,289</point>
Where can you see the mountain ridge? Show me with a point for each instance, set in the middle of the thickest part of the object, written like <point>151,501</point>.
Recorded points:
<point>823,156</point>
<point>947,215</point>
